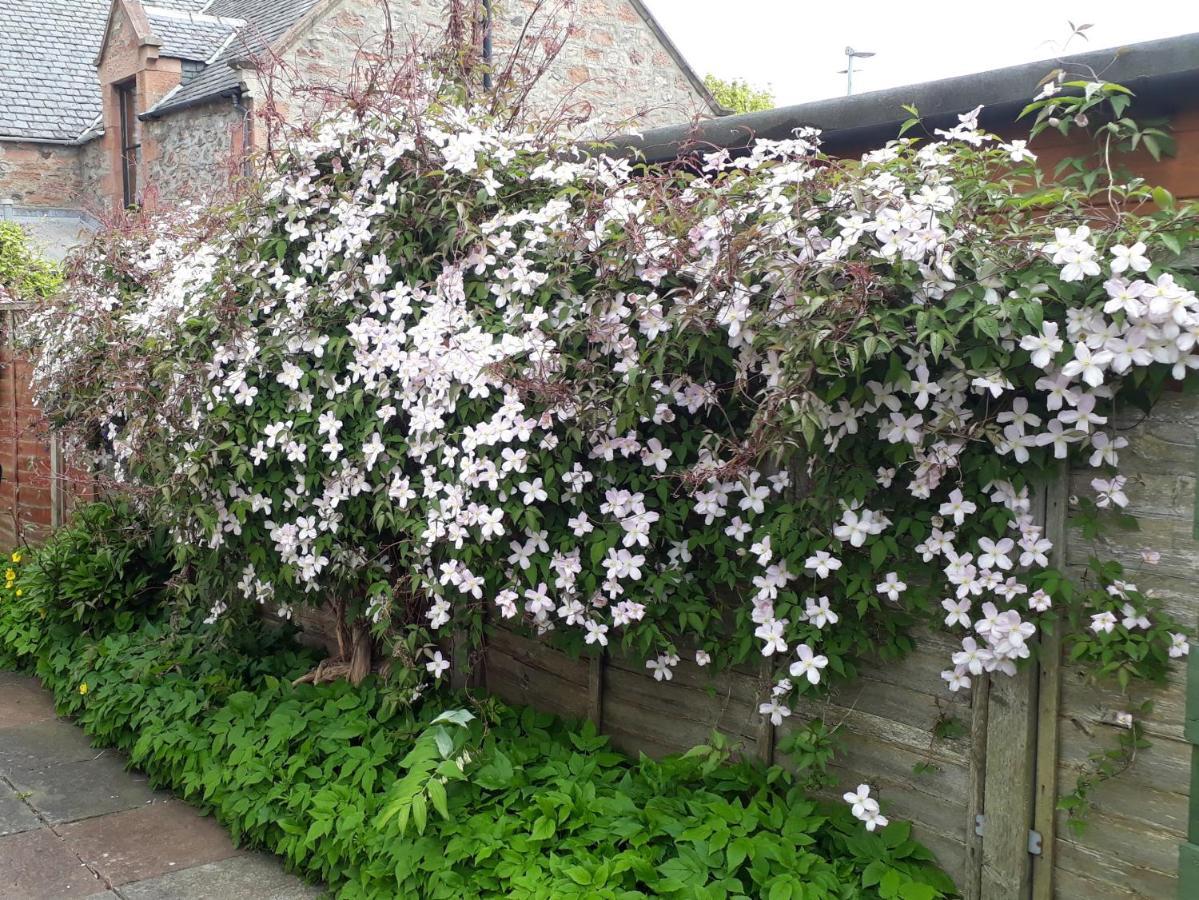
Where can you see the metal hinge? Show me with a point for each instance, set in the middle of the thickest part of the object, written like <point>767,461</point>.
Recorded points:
<point>1034,837</point>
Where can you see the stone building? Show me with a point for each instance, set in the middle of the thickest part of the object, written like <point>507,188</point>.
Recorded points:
<point>107,103</point>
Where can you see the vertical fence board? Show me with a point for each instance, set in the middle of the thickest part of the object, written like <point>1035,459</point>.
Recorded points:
<point>1008,792</point>
<point>971,884</point>
<point>595,689</point>
<point>1049,700</point>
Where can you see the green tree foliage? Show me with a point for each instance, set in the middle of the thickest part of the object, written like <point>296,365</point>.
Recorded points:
<point>738,95</point>
<point>23,274</point>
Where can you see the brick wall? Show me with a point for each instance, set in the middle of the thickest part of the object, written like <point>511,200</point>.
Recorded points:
<point>37,490</point>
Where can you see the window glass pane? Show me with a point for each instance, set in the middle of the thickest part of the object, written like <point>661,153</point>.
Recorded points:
<point>130,145</point>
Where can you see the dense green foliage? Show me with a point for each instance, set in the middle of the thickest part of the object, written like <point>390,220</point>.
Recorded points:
<point>538,808</point>
<point>23,274</point>
<point>104,569</point>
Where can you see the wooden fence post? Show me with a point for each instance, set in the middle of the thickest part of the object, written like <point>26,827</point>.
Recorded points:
<point>1188,852</point>
<point>1008,791</point>
<point>765,736</point>
<point>972,889</point>
<point>1049,696</point>
<point>595,689</point>
<point>1021,745</point>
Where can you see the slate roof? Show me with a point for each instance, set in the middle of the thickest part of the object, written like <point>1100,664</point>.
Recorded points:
<point>182,5</point>
<point>266,22</point>
<point>47,67</point>
<point>189,35</point>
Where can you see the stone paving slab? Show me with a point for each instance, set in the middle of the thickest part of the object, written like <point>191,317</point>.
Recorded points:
<point>248,877</point>
<point>43,744</point>
<point>94,787</point>
<point>15,814</point>
<point>75,824</point>
<point>152,840</point>
<point>35,865</point>
<point>24,702</point>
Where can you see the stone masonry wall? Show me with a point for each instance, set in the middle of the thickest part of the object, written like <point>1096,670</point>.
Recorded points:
<point>93,168</point>
<point>193,151</point>
<point>613,61</point>
<point>39,174</point>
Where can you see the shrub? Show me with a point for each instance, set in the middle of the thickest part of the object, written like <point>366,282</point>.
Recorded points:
<point>106,569</point>
<point>23,274</point>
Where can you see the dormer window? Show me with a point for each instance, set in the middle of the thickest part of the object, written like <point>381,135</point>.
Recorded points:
<point>130,140</point>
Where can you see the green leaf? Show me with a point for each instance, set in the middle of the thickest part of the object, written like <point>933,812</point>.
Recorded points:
<point>873,873</point>
<point>915,891</point>
<point>578,875</point>
<point>420,813</point>
<point>496,774</point>
<point>438,798</point>
<point>543,828</point>
<point>445,743</point>
<point>737,851</point>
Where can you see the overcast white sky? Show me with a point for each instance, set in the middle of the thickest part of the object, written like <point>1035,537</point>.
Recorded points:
<point>797,46</point>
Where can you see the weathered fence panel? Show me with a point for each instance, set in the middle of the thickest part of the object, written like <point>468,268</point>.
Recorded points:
<point>31,500</point>
<point>979,775</point>
<point>889,722</point>
<point>1130,845</point>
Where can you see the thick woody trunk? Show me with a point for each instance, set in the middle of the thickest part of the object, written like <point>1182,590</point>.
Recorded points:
<point>355,652</point>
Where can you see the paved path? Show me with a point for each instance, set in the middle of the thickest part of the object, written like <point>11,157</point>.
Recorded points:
<point>74,823</point>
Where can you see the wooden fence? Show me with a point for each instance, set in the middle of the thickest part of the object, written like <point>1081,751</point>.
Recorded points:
<point>32,495</point>
<point>979,774</point>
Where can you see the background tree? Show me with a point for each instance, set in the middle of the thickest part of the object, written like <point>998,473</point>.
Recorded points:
<point>739,96</point>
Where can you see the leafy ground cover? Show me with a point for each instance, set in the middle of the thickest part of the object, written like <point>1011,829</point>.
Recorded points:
<point>382,801</point>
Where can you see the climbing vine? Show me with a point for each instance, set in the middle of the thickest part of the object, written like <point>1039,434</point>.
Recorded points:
<point>442,366</point>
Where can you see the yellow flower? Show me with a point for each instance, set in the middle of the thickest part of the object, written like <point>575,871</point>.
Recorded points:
<point>83,688</point>
<point>16,557</point>
<point>19,592</point>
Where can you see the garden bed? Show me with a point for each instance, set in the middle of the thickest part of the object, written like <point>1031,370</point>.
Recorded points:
<point>540,807</point>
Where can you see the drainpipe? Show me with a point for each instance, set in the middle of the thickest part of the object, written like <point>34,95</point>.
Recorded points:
<point>487,44</point>
<point>244,112</point>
